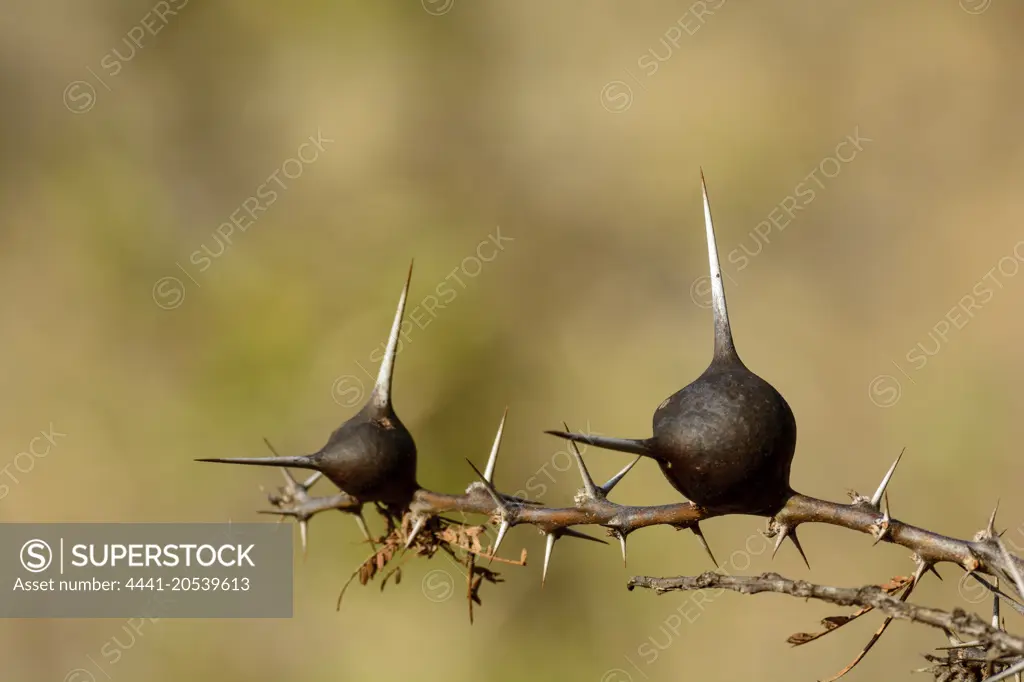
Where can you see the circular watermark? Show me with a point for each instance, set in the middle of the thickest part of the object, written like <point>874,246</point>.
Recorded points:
<point>79,675</point>
<point>973,591</point>
<point>616,675</point>
<point>437,7</point>
<point>616,96</point>
<point>36,556</point>
<point>885,390</point>
<point>975,6</point>
<point>438,586</point>
<point>79,97</point>
<point>347,390</point>
<point>168,292</point>
<point>700,291</point>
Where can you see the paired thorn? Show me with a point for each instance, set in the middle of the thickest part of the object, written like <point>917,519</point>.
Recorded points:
<point>614,480</point>
<point>622,541</point>
<point>492,460</point>
<point>381,396</point>
<point>990,529</point>
<point>790,532</point>
<point>881,529</point>
<point>876,499</point>
<point>589,487</point>
<point>591,490</point>
<point>550,539</point>
<point>416,528</point>
<point>707,548</point>
<point>503,509</point>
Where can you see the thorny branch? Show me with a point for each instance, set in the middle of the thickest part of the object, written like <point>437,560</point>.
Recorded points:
<point>371,458</point>
<point>982,554</point>
<point>871,595</point>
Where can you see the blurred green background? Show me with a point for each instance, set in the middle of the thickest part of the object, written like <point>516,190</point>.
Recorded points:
<point>576,129</point>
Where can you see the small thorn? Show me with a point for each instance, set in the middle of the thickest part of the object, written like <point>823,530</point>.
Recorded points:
<point>876,499</point>
<point>703,541</point>
<point>502,529</point>
<point>570,533</point>
<point>922,568</point>
<point>935,571</point>
<point>588,482</point>
<point>312,479</point>
<point>493,459</point>
<point>991,529</point>
<point>614,480</point>
<point>381,396</point>
<point>304,535</point>
<point>417,527</point>
<point>361,522</point>
<point>622,541</point>
<point>789,532</point>
<point>799,548</point>
<point>883,524</point>
<point>547,557</point>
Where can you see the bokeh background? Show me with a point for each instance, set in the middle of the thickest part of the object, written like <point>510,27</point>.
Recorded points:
<point>574,130</point>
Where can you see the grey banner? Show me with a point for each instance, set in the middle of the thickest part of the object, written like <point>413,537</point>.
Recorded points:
<point>146,570</point>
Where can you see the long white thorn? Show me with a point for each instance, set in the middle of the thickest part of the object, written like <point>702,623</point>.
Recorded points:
<point>381,397</point>
<point>622,541</point>
<point>724,346</point>
<point>502,529</point>
<point>304,535</point>
<point>549,545</point>
<point>417,527</point>
<point>493,459</point>
<point>876,499</point>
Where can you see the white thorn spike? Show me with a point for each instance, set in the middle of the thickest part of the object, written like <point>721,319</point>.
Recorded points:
<point>876,499</point>
<point>778,543</point>
<point>381,397</point>
<point>493,459</point>
<point>549,545</point>
<point>622,541</point>
<point>312,479</point>
<point>502,529</point>
<point>304,535</point>
<point>723,334</point>
<point>361,522</point>
<point>588,481</point>
<point>614,480</point>
<point>992,521</point>
<point>417,527</point>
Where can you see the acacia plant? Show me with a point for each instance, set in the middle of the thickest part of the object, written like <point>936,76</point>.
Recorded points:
<point>725,442</point>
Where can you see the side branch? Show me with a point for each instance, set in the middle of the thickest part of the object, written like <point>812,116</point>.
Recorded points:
<point>872,596</point>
